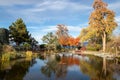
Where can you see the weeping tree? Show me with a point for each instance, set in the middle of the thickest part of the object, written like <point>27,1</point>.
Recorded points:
<point>102,21</point>
<point>18,32</point>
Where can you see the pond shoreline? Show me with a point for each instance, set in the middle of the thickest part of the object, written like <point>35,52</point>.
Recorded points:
<point>101,54</point>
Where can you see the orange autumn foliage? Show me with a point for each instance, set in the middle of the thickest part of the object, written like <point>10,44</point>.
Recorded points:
<point>64,38</point>
<point>73,41</point>
<point>69,41</point>
<point>70,61</point>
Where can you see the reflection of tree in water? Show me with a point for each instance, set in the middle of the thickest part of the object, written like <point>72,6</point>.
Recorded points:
<point>96,68</point>
<point>59,65</point>
<point>17,71</point>
<point>54,67</point>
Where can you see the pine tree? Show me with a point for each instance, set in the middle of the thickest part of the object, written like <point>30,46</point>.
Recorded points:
<point>18,32</point>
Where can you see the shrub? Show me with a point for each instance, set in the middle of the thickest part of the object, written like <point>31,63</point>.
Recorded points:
<point>8,52</point>
<point>93,47</point>
<point>28,53</point>
<point>26,46</point>
<point>5,57</point>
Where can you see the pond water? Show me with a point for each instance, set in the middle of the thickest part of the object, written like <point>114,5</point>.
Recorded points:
<point>63,67</point>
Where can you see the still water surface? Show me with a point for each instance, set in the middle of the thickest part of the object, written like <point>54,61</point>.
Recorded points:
<point>63,67</point>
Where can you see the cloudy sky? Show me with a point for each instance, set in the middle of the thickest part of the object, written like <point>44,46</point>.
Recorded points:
<point>42,16</point>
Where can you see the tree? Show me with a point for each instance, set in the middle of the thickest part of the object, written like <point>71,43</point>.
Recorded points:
<point>85,34</point>
<point>33,42</point>
<point>102,21</point>
<point>18,32</point>
<point>73,41</point>
<point>113,46</point>
<point>51,40</point>
<point>62,34</point>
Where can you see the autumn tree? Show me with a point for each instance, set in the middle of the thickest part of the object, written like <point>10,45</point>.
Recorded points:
<point>18,32</point>
<point>85,34</point>
<point>73,41</point>
<point>102,21</point>
<point>62,34</point>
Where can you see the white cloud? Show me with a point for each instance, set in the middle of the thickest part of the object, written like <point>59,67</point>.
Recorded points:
<point>70,28</point>
<point>117,19</point>
<point>40,11</point>
<point>117,30</point>
<point>41,5</point>
<point>49,29</point>
<point>38,36</point>
<point>60,5</point>
<point>74,28</point>
<point>33,27</point>
<point>17,2</point>
<point>114,6</point>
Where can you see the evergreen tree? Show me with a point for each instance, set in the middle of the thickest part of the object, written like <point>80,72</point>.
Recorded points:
<point>18,32</point>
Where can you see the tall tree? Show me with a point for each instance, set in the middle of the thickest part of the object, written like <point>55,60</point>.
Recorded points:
<point>18,32</point>
<point>102,21</point>
<point>62,34</point>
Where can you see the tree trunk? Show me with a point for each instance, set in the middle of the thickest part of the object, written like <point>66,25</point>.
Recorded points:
<point>116,52</point>
<point>104,41</point>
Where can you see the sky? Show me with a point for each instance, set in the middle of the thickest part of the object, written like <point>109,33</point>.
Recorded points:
<point>42,16</point>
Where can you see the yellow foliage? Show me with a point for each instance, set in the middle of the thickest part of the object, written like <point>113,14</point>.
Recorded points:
<point>28,53</point>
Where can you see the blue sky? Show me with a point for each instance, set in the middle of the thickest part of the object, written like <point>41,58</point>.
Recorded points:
<point>42,16</point>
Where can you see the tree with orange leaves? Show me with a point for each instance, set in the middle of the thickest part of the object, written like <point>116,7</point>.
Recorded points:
<point>64,38</point>
<point>73,41</point>
<point>62,34</point>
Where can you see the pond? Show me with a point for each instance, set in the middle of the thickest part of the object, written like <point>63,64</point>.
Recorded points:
<point>61,67</point>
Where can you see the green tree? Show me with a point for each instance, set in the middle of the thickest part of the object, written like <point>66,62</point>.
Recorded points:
<point>18,32</point>
<point>33,42</point>
<point>102,21</point>
<point>51,40</point>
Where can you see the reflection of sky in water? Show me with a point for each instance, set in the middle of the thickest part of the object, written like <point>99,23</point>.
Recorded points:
<point>34,71</point>
<point>117,76</point>
<point>74,73</point>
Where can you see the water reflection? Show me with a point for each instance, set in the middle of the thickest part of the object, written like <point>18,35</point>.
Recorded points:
<point>61,67</point>
<point>55,66</point>
<point>15,70</point>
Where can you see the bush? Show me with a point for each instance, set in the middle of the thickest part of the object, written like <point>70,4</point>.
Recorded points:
<point>8,52</point>
<point>93,47</point>
<point>29,54</point>
<point>20,54</point>
<point>26,46</point>
<point>5,57</point>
